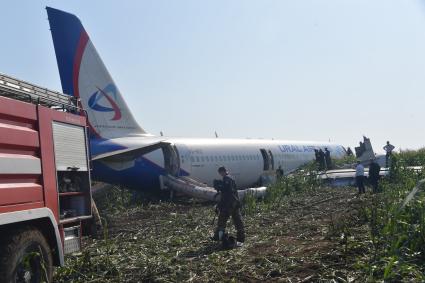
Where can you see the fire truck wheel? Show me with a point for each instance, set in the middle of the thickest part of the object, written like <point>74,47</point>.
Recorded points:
<point>25,256</point>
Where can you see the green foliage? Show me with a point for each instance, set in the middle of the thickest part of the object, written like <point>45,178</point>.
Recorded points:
<point>303,180</point>
<point>412,157</point>
<point>344,161</point>
<point>113,199</point>
<point>397,232</point>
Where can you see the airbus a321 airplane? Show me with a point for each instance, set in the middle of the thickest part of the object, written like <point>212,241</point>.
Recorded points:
<point>123,153</point>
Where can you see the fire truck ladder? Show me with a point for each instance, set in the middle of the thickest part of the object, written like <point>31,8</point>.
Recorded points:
<point>22,90</point>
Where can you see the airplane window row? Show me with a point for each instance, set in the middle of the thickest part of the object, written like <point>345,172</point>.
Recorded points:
<point>223,158</point>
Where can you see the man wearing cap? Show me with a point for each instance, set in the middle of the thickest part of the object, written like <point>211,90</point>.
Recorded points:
<point>229,205</point>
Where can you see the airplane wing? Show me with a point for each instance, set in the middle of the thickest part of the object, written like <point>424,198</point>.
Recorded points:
<point>132,150</point>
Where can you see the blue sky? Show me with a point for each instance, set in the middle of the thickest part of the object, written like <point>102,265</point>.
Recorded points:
<point>301,70</point>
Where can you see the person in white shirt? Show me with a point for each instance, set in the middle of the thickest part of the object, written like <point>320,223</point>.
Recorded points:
<point>360,177</point>
<point>388,150</point>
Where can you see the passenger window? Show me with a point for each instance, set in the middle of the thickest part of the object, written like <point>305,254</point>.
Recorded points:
<point>207,158</point>
<point>197,159</point>
<point>202,159</point>
<point>192,159</point>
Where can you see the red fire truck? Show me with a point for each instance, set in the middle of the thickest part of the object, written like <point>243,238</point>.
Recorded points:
<point>45,195</point>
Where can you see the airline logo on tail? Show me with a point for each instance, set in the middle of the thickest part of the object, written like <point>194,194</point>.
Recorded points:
<point>99,97</point>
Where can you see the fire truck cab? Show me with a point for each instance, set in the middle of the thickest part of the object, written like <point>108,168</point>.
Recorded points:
<point>45,194</point>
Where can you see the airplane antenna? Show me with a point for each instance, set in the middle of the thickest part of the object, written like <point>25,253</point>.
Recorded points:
<point>161,133</point>
<point>216,135</point>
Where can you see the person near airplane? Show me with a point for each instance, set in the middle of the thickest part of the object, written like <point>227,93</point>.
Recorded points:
<point>374,170</point>
<point>328,160</point>
<point>321,160</point>
<point>229,206</point>
<point>360,177</point>
<point>388,152</point>
<point>279,173</point>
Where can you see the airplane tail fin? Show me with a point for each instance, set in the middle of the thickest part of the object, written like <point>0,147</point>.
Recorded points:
<point>84,75</point>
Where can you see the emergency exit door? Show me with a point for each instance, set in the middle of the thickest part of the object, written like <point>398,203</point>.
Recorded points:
<point>268,160</point>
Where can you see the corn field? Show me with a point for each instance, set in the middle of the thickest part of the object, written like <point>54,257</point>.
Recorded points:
<point>302,231</point>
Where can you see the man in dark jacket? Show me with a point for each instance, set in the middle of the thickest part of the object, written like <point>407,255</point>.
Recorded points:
<point>328,159</point>
<point>229,205</point>
<point>374,170</point>
<point>321,160</point>
<point>279,173</point>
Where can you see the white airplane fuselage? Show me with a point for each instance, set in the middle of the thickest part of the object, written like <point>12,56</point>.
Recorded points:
<point>246,159</point>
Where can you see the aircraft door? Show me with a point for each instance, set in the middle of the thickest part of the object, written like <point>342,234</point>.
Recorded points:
<point>266,159</point>
<point>271,159</point>
<point>184,158</point>
<point>171,159</point>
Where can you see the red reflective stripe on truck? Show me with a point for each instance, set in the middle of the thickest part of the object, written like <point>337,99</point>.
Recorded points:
<point>17,207</point>
<point>18,136</point>
<point>18,193</point>
<point>20,111</point>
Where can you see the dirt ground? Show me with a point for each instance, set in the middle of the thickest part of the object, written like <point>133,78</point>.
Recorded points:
<point>308,237</point>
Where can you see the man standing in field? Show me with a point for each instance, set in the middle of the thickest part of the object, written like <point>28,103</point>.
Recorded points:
<point>374,170</point>
<point>388,152</point>
<point>321,160</point>
<point>229,205</point>
<point>328,160</point>
<point>279,173</point>
<point>360,177</point>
